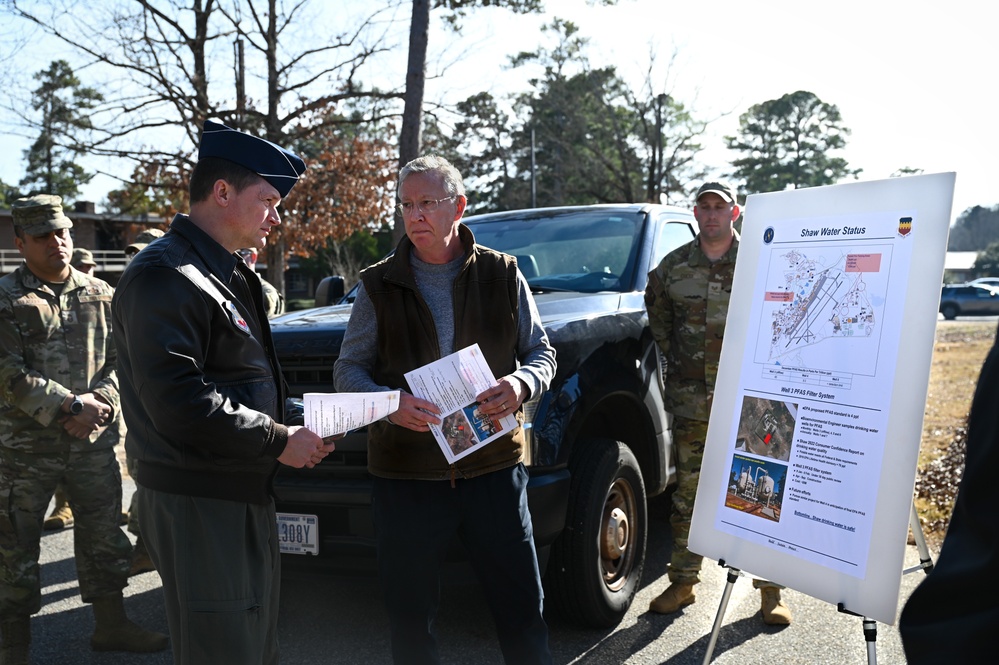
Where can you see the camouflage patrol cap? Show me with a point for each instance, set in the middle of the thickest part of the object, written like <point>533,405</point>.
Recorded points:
<point>142,240</point>
<point>40,214</point>
<point>82,257</point>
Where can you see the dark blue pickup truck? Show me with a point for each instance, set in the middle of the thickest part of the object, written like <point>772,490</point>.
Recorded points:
<point>599,441</point>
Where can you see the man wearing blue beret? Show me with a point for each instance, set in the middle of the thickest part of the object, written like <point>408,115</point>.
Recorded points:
<point>203,399</point>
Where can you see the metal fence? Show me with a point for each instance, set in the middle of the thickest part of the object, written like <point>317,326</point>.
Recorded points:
<point>108,260</point>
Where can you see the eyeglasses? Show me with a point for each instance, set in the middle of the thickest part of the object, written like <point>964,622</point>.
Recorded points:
<point>426,205</point>
<point>244,254</point>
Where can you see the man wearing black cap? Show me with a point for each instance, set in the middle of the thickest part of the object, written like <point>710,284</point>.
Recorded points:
<point>687,299</point>
<point>58,405</point>
<point>204,401</point>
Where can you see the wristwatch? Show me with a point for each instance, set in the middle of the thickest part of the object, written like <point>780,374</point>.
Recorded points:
<point>76,406</point>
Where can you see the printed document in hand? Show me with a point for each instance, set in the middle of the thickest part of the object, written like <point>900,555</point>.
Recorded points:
<point>452,384</point>
<point>334,414</point>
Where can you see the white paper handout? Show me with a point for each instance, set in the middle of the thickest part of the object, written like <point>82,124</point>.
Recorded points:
<point>332,414</point>
<point>452,384</point>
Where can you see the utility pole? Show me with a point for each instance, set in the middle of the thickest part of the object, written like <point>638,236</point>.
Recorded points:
<point>657,191</point>
<point>534,175</point>
<point>240,84</point>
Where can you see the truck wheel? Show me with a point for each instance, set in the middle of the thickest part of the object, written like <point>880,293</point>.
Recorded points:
<point>949,312</point>
<point>596,565</point>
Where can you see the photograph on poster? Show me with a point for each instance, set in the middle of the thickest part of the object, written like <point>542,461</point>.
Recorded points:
<point>766,427</point>
<point>756,487</point>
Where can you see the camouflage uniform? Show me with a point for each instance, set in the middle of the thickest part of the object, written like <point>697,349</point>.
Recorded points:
<point>273,300</point>
<point>687,299</point>
<point>52,345</point>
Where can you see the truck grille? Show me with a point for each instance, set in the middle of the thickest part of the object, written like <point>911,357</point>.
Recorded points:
<point>308,375</point>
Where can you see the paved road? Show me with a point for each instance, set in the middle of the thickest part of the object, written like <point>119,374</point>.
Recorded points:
<point>967,319</point>
<point>342,621</point>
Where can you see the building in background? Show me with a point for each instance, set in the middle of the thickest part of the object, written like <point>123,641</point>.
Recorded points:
<point>105,234</point>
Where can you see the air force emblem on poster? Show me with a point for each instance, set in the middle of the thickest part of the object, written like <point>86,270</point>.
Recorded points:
<point>904,226</point>
<point>236,317</point>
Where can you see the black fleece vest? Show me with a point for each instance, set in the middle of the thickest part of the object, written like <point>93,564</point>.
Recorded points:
<point>486,308</point>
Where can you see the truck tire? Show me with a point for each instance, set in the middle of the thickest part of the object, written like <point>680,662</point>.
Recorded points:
<point>596,563</point>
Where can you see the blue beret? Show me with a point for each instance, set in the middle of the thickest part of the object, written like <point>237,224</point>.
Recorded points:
<point>271,162</point>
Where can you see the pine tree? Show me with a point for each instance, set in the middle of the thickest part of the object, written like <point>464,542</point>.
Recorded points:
<point>64,104</point>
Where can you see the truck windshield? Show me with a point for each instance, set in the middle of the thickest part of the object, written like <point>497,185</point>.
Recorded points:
<point>588,251</point>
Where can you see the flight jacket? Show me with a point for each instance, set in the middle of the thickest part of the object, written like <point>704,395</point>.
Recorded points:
<point>201,388</point>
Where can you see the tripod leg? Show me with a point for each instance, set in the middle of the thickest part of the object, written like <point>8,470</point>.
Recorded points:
<point>871,636</point>
<point>925,562</point>
<point>733,575</point>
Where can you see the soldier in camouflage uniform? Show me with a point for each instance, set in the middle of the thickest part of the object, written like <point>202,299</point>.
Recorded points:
<point>58,396</point>
<point>141,561</point>
<point>687,299</point>
<point>273,300</point>
<point>62,515</point>
<point>141,241</point>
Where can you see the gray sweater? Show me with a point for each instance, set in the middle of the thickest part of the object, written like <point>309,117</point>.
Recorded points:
<point>352,372</point>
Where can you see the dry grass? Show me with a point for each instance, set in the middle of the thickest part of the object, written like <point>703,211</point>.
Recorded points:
<point>958,354</point>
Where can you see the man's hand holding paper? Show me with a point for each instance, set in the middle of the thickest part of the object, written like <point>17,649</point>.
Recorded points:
<point>504,398</point>
<point>305,448</point>
<point>415,413</point>
<point>474,408</point>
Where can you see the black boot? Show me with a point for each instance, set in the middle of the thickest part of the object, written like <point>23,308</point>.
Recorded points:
<point>16,640</point>
<point>114,632</point>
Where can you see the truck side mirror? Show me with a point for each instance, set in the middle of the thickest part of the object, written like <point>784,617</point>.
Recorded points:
<point>329,291</point>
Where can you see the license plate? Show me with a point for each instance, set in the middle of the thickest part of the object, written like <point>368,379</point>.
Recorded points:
<point>298,534</point>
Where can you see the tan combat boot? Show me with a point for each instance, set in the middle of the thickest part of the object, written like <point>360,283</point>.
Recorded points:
<point>141,562</point>
<point>16,635</point>
<point>775,612</point>
<point>61,516</point>
<point>673,598</point>
<point>114,632</point>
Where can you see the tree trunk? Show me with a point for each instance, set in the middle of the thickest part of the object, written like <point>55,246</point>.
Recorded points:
<point>276,264</point>
<point>409,136</point>
<point>277,247</point>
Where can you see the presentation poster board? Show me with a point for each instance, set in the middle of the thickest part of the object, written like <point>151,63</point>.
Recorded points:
<point>817,415</point>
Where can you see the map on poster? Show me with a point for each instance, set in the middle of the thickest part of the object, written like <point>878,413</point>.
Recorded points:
<point>818,295</point>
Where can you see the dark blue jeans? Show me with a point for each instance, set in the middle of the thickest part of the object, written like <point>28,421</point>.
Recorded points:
<point>416,519</point>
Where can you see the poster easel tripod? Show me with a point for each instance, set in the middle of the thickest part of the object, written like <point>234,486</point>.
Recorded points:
<point>869,625</point>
